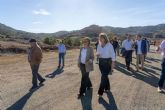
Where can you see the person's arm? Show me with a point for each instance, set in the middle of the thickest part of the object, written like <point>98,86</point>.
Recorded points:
<point>113,56</point>
<point>56,46</point>
<point>29,54</point>
<point>78,62</point>
<point>39,55</point>
<point>123,44</point>
<point>65,49</point>
<point>92,55</point>
<point>162,46</point>
<point>98,51</point>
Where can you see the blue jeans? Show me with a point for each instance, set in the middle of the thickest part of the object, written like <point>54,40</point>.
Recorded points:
<point>36,75</point>
<point>61,57</point>
<point>162,76</point>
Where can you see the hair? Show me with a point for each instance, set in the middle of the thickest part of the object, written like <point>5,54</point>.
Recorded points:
<point>32,40</point>
<point>115,38</point>
<point>104,36</point>
<point>138,35</point>
<point>87,39</point>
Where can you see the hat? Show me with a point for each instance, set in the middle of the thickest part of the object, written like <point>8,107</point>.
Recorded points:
<point>32,40</point>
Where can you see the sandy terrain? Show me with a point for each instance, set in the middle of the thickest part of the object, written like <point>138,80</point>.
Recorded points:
<point>129,90</point>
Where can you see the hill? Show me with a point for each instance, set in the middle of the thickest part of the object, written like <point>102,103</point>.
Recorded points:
<point>91,31</point>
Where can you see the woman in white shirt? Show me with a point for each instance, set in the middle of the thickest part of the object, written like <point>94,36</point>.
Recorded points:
<point>106,55</point>
<point>85,63</point>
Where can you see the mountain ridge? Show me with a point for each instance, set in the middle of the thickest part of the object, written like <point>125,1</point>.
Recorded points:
<point>91,31</point>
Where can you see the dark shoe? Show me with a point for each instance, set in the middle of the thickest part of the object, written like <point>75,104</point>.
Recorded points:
<point>107,91</point>
<point>33,88</point>
<point>41,82</point>
<point>99,96</point>
<point>88,88</point>
<point>62,67</point>
<point>79,96</point>
<point>128,68</point>
<point>58,66</point>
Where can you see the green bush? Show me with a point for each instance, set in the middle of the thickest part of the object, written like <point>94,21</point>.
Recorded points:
<point>50,41</point>
<point>76,42</point>
<point>68,41</point>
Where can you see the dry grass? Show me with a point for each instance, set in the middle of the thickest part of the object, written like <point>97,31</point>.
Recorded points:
<point>130,90</point>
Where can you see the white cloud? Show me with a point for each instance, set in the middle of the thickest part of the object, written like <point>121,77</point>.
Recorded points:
<point>41,12</point>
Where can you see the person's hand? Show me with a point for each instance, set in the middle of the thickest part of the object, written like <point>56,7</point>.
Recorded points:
<point>91,61</point>
<point>78,65</point>
<point>98,55</point>
<point>158,48</point>
<point>112,66</point>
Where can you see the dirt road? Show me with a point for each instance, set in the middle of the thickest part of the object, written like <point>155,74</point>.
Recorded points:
<point>129,90</point>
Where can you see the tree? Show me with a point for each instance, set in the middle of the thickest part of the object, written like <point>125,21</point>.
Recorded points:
<point>76,42</point>
<point>68,41</point>
<point>50,41</point>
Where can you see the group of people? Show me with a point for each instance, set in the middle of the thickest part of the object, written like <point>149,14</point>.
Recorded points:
<point>106,56</point>
<point>35,58</point>
<point>141,48</point>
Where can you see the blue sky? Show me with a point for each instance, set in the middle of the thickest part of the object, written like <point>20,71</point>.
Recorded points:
<point>55,15</point>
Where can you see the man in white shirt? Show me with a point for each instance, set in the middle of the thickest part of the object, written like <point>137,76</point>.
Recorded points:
<point>161,48</point>
<point>62,51</point>
<point>128,46</point>
<point>139,56</point>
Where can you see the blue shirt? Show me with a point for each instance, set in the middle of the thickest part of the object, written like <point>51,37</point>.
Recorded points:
<point>61,48</point>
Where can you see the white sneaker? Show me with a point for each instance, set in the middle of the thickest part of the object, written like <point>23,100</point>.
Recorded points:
<point>99,96</point>
<point>97,62</point>
<point>159,89</point>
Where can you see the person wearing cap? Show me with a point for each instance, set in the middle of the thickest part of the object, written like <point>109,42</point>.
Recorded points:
<point>161,49</point>
<point>35,58</point>
<point>107,58</point>
<point>85,64</point>
<point>62,52</point>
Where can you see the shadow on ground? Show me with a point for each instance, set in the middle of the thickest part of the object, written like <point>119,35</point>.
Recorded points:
<point>111,105</point>
<point>148,75</point>
<point>86,101</point>
<point>19,105</point>
<point>56,72</point>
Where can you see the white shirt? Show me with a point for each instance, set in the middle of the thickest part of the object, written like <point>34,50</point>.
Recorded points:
<point>162,48</point>
<point>83,55</point>
<point>61,48</point>
<point>127,44</point>
<point>139,51</point>
<point>106,52</point>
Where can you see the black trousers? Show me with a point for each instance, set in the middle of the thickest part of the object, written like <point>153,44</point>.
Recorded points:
<point>85,80</point>
<point>36,75</point>
<point>162,76</point>
<point>105,68</point>
<point>128,57</point>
